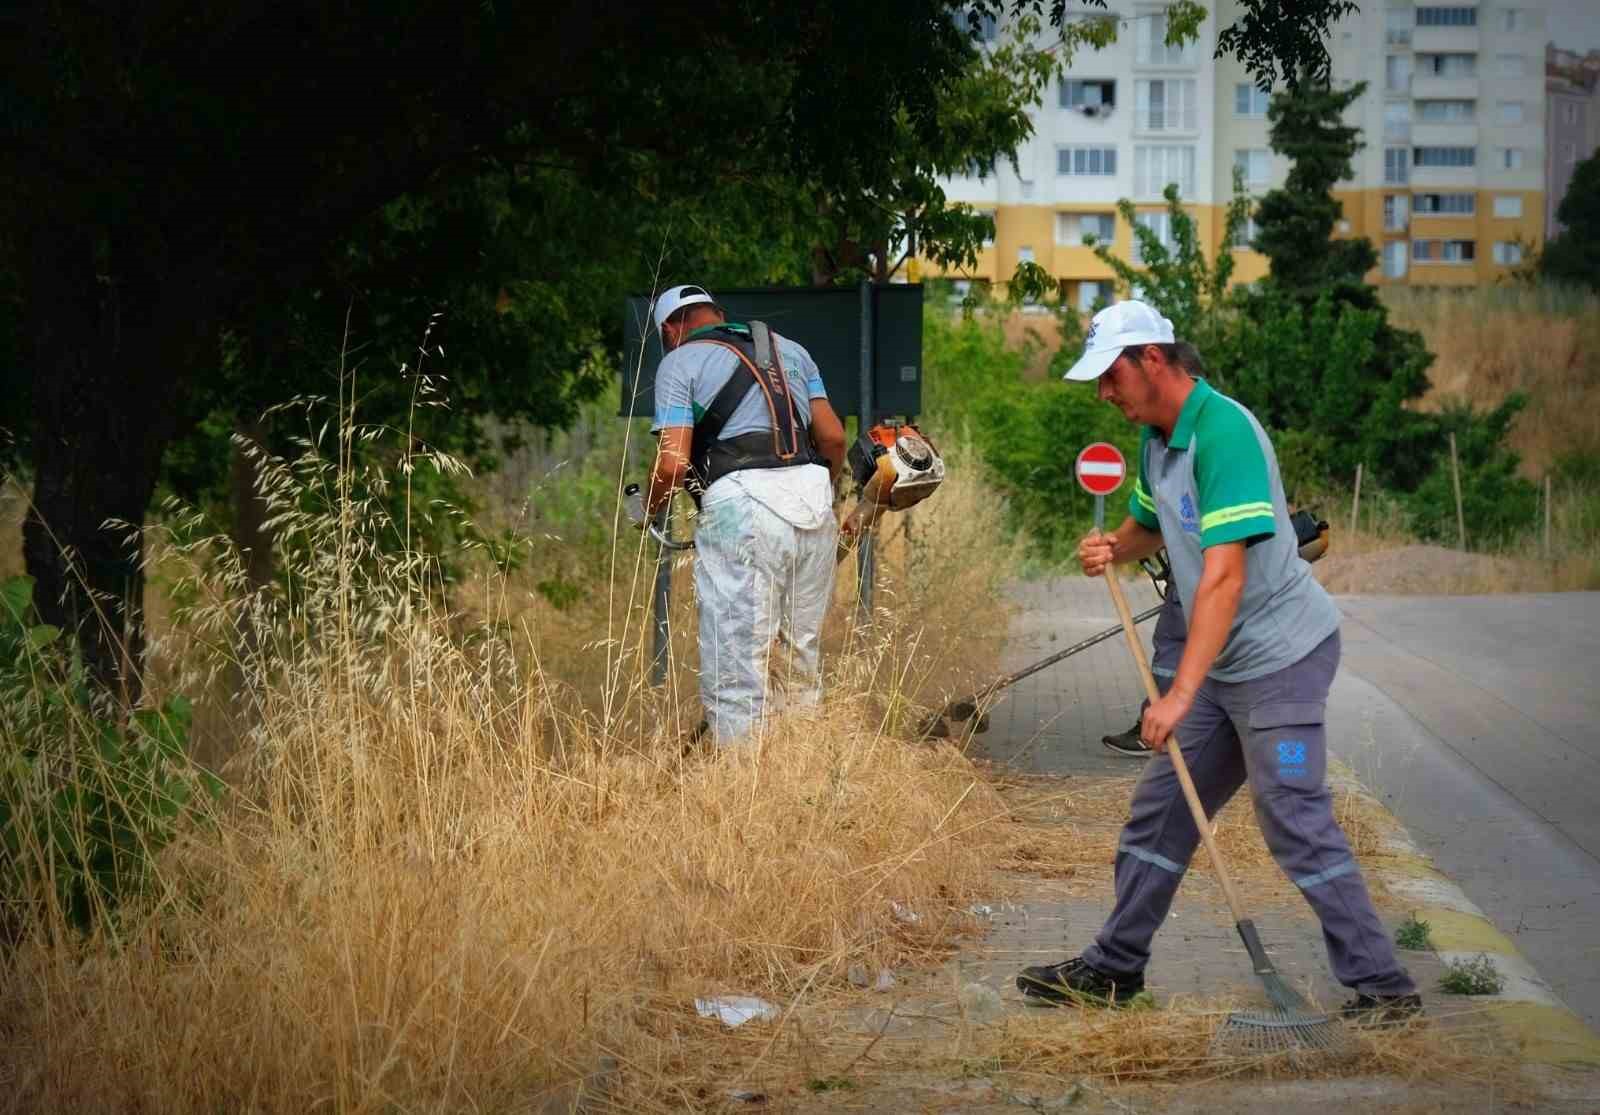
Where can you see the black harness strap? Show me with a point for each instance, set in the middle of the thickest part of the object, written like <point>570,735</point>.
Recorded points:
<point>760,368</point>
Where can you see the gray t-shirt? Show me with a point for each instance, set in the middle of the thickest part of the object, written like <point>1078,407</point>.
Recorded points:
<point>689,377</point>
<point>1214,481</point>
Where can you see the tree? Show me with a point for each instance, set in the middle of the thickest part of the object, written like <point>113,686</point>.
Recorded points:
<point>1313,353</point>
<point>192,180</point>
<point>1574,256</point>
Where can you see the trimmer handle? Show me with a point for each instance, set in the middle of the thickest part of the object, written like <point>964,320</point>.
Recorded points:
<point>633,502</point>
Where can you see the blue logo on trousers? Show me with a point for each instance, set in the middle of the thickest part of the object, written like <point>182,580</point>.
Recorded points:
<point>1291,758</point>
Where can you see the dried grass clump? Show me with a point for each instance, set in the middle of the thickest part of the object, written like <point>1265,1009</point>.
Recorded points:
<point>1172,1044</point>
<point>459,869</point>
<point>408,905</point>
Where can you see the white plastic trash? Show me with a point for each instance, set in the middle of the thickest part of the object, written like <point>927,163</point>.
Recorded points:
<point>736,1010</point>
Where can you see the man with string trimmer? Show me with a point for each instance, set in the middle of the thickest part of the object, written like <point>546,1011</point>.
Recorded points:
<point>1248,699</point>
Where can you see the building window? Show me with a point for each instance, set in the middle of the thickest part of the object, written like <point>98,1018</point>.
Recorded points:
<point>1508,205</point>
<point>1397,24</point>
<point>1025,254</point>
<point>988,27</point>
<point>1569,151</point>
<point>1446,204</point>
<point>1082,228</point>
<point>1255,164</point>
<point>1166,105</point>
<point>1395,212</point>
<point>1246,233</point>
<point>1086,160</point>
<point>1446,112</point>
<point>1249,101</point>
<point>1152,48</point>
<point>1155,167</point>
<point>1569,113</point>
<point>1394,259</point>
<point>1397,73</point>
<point>1507,252</point>
<point>1510,20</point>
<point>1511,158</point>
<point>1447,65</point>
<point>1090,97</point>
<point>1161,225</point>
<point>1444,251</point>
<point>1447,17</point>
<point>1510,112</point>
<point>1444,156</point>
<point>1396,166</point>
<point>1092,293</point>
<point>1397,121</point>
<point>1511,65</point>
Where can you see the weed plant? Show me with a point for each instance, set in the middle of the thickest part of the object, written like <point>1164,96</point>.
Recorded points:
<point>1477,976</point>
<point>1414,934</point>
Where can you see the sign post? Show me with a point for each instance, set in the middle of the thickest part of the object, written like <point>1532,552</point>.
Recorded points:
<point>1100,470</point>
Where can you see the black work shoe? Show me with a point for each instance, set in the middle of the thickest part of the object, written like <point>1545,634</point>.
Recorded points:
<point>1127,743</point>
<point>1077,983</point>
<point>1381,1010</point>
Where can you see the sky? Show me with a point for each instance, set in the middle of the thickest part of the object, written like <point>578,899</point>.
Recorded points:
<point>1574,24</point>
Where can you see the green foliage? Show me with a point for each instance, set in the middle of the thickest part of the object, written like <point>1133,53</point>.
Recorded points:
<point>1296,222</point>
<point>1312,352</point>
<point>1574,256</point>
<point>1497,504</point>
<point>87,799</point>
<point>1414,934</point>
<point>1477,976</point>
<point>1179,281</point>
<point>1027,432</point>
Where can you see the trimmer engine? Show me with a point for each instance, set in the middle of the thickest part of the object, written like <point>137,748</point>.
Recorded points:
<point>905,464</point>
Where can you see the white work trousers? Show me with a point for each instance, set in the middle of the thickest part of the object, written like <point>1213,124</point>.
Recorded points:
<point>764,561</point>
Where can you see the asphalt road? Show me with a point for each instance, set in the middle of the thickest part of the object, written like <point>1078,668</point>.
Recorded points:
<point>1475,720</point>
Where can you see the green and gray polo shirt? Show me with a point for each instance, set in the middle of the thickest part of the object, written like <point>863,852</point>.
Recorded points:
<point>1214,481</point>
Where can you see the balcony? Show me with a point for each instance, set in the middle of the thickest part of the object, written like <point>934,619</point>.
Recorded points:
<point>1425,179</point>
<point>1397,131</point>
<point>1445,40</point>
<point>1445,135</point>
<point>1426,87</point>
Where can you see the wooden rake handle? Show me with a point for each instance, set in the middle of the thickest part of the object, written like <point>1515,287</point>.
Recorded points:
<point>1173,750</point>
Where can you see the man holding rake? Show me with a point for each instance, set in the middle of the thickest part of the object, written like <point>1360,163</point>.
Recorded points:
<point>1247,702</point>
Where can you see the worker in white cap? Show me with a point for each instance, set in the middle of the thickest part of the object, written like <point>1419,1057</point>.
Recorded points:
<point>1248,700</point>
<point>745,426</point>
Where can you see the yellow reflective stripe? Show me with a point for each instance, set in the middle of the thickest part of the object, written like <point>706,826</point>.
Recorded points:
<point>1223,516</point>
<point>1144,500</point>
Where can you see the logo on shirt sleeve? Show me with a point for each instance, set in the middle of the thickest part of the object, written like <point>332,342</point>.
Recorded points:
<point>1187,516</point>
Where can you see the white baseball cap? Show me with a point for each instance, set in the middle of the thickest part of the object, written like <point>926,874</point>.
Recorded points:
<point>676,298</point>
<point>1114,329</point>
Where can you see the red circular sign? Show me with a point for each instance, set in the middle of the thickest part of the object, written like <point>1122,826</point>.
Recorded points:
<point>1100,468</point>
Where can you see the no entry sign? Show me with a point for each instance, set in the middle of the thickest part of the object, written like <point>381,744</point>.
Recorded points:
<point>1101,468</point>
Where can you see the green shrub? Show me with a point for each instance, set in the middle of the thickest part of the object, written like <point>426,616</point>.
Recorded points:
<point>1497,504</point>
<point>87,798</point>
<point>1414,934</point>
<point>1477,976</point>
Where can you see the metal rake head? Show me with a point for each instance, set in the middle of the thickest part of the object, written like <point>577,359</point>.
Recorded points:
<point>1252,1034</point>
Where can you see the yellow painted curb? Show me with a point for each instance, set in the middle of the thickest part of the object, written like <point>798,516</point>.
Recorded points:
<point>1454,931</point>
<point>1548,1034</point>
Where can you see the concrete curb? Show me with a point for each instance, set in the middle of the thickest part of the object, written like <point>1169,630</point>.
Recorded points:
<point>1530,1012</point>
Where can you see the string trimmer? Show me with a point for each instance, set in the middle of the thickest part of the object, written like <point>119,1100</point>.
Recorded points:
<point>894,465</point>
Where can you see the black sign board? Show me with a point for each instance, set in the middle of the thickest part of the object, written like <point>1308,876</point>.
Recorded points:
<point>826,321</point>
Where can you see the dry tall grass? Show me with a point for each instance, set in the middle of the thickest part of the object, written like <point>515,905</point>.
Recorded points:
<point>465,863</point>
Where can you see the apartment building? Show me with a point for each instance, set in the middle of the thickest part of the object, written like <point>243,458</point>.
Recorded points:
<point>1572,123</point>
<point>1449,188</point>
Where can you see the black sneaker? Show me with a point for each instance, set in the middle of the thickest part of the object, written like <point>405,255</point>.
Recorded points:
<point>1127,743</point>
<point>1077,983</point>
<point>1381,1010</point>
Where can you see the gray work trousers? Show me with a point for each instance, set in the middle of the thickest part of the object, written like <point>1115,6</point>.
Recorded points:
<point>1269,730</point>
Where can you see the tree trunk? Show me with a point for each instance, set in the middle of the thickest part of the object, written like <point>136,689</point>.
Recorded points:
<point>108,395</point>
<point>250,533</point>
